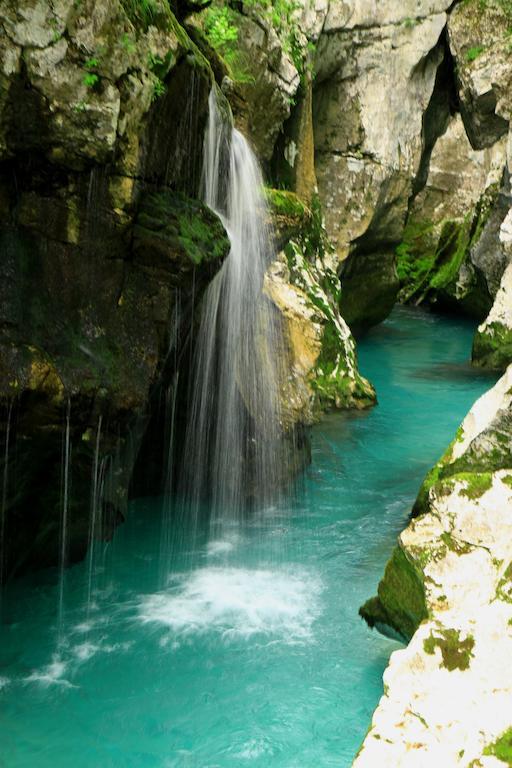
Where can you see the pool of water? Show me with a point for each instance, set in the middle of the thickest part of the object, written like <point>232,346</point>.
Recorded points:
<point>252,654</point>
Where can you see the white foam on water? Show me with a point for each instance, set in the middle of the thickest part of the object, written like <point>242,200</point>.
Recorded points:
<point>220,547</point>
<point>86,651</point>
<point>238,602</point>
<point>4,682</point>
<point>253,749</point>
<point>52,674</point>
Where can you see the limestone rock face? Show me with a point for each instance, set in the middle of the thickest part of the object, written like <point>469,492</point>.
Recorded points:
<point>451,252</point>
<point>319,361</point>
<point>448,695</point>
<point>89,80</point>
<point>376,69</point>
<point>492,345</point>
<point>479,44</point>
<point>99,261</point>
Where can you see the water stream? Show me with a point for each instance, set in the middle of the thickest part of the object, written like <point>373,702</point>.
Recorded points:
<point>253,653</point>
<point>232,440</point>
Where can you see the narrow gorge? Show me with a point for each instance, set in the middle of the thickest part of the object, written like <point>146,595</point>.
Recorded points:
<point>255,383</point>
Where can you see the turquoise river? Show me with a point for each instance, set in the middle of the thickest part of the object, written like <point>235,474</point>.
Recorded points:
<point>251,653</point>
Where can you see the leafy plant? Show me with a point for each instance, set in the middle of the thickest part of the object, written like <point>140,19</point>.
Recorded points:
<point>158,89</point>
<point>128,43</point>
<point>91,77</point>
<point>473,53</point>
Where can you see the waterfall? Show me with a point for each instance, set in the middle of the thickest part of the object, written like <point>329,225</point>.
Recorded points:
<point>232,447</point>
<point>95,499</point>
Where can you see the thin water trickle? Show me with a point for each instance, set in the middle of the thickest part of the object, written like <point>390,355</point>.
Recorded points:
<point>66,458</point>
<point>95,504</point>
<point>233,432</point>
<point>5,491</point>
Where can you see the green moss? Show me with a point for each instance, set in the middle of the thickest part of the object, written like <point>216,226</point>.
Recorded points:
<point>477,484</point>
<point>456,653</point>
<point>504,588</point>
<point>501,748</point>
<point>173,226</point>
<point>492,348</point>
<point>474,52</point>
<point>460,548</point>
<point>431,254</point>
<point>507,480</point>
<point>144,13</point>
<point>401,600</point>
<point>284,203</point>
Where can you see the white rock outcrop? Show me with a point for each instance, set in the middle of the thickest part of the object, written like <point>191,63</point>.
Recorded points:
<point>448,696</point>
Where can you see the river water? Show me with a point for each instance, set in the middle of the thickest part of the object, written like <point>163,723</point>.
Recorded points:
<point>253,653</point>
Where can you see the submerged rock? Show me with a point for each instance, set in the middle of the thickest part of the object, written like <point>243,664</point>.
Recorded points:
<point>448,587</point>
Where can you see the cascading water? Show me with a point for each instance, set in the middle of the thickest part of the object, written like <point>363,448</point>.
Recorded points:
<point>95,499</point>
<point>233,434</point>
<point>66,456</point>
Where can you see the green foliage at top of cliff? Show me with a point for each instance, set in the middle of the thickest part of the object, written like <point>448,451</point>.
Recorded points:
<point>221,29</point>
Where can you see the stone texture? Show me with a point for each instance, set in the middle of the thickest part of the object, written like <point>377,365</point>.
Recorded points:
<point>319,357</point>
<point>448,695</point>
<point>451,254</point>
<point>479,44</point>
<point>492,345</point>
<point>95,108</point>
<point>376,70</point>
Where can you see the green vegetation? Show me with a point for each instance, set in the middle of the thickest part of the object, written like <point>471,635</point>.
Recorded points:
<point>284,203</point>
<point>493,346</point>
<point>456,653</point>
<point>158,89</point>
<point>141,13</point>
<point>430,256</point>
<point>401,600</point>
<point>476,484</point>
<point>460,548</point>
<point>221,30</point>
<point>91,77</point>
<point>502,748</point>
<point>504,588</point>
<point>222,33</point>
<point>473,53</point>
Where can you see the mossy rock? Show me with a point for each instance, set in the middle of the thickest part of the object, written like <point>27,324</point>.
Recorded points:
<point>492,347</point>
<point>456,653</point>
<point>290,217</point>
<point>433,256</point>
<point>501,748</point>
<point>178,234</point>
<point>400,603</point>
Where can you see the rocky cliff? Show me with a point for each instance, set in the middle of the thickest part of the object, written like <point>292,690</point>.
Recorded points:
<point>448,589</point>
<point>105,250</point>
